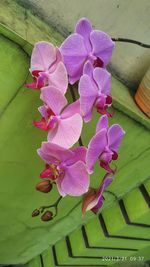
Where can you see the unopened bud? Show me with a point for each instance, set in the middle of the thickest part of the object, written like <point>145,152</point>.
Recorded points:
<point>47,216</point>
<point>44,186</point>
<point>35,213</point>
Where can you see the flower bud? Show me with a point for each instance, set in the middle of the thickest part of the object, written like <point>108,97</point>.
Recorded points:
<point>35,213</point>
<point>47,216</point>
<point>44,186</point>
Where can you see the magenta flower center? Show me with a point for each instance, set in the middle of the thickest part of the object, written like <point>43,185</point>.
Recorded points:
<point>98,63</point>
<point>52,171</point>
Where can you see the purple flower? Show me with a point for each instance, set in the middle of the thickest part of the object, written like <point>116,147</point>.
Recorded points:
<point>85,44</point>
<point>94,90</point>
<point>93,199</point>
<point>104,145</point>
<point>47,67</point>
<point>66,167</point>
<point>63,123</point>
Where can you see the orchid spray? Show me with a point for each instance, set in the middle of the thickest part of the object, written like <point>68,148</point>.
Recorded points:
<point>81,58</point>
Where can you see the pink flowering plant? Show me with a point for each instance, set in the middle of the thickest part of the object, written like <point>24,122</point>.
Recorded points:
<point>82,59</point>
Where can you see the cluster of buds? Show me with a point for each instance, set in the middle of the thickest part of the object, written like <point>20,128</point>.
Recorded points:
<point>82,59</point>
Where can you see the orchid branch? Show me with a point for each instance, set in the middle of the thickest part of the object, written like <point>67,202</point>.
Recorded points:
<point>48,215</point>
<point>126,40</point>
<point>111,193</point>
<point>55,205</point>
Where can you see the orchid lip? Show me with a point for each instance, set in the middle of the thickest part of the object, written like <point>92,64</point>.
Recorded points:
<point>98,63</point>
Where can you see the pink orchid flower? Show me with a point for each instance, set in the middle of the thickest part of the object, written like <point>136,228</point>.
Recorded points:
<point>94,90</point>
<point>47,67</point>
<point>66,168</point>
<point>104,145</point>
<point>64,124</point>
<point>93,199</point>
<point>85,44</point>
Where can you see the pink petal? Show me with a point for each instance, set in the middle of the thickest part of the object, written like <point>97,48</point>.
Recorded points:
<point>115,135</point>
<point>103,80</point>
<point>59,187</point>
<point>53,98</point>
<point>99,204</point>
<point>59,58</point>
<point>88,69</point>
<point>59,78</point>
<point>50,151</point>
<point>89,200</point>
<point>71,109</point>
<point>43,55</point>
<point>102,45</point>
<point>68,131</point>
<point>74,66</point>
<point>74,54</point>
<point>32,85</point>
<point>79,154</point>
<point>88,93</point>
<point>84,28</point>
<point>43,112</point>
<point>42,124</point>
<point>102,123</point>
<point>105,183</point>
<point>46,157</point>
<point>93,200</point>
<point>95,148</point>
<point>76,180</point>
<point>73,46</point>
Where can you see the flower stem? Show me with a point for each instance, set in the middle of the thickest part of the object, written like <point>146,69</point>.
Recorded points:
<point>55,205</point>
<point>126,40</point>
<point>111,193</point>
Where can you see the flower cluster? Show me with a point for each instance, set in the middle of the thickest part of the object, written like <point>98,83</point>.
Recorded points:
<point>81,58</point>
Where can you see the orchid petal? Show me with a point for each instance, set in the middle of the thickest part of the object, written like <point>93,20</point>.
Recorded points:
<point>103,80</point>
<point>102,123</point>
<point>88,69</point>
<point>32,85</point>
<point>41,124</point>
<point>84,28</point>
<point>89,201</point>
<point>53,98</point>
<point>59,78</point>
<point>59,58</point>
<point>59,187</point>
<point>73,46</point>
<point>115,135</point>
<point>99,204</point>
<point>102,45</point>
<point>74,54</point>
<point>79,154</point>
<point>43,112</point>
<point>96,148</point>
<point>71,109</point>
<point>76,180</point>
<point>46,157</point>
<point>67,132</point>
<point>106,182</point>
<point>88,93</point>
<point>50,151</point>
<point>99,199</point>
<point>43,55</point>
